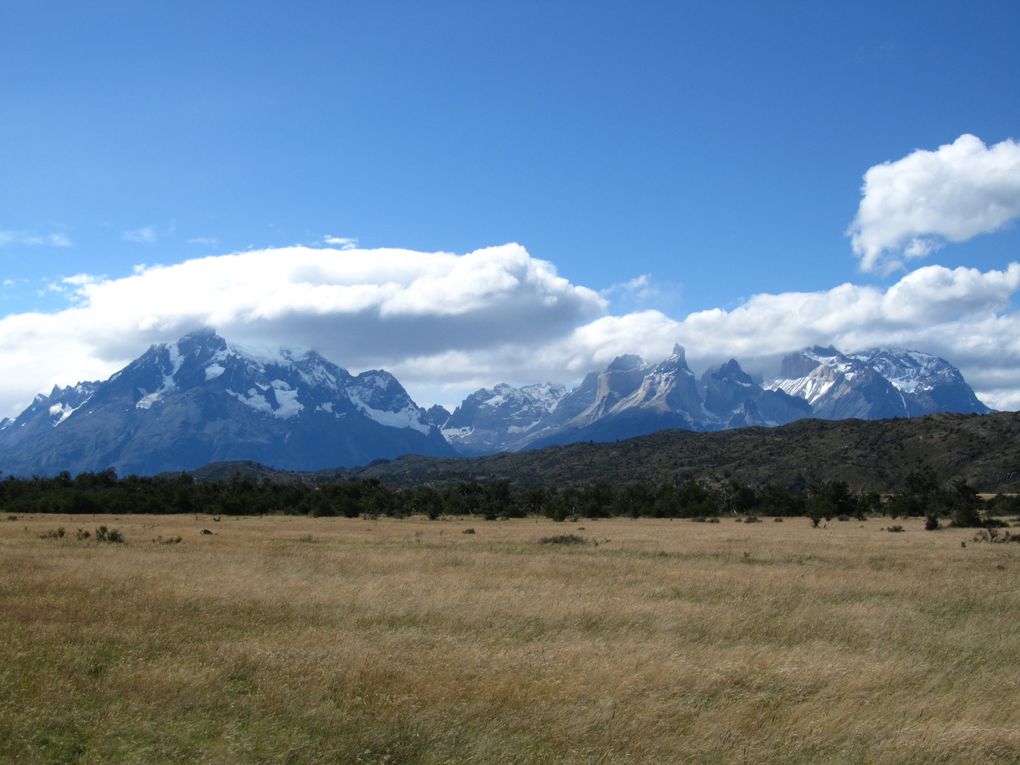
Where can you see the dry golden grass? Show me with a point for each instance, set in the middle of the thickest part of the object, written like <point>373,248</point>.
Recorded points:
<point>405,641</point>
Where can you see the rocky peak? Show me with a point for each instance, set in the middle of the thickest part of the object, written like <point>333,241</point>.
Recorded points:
<point>626,363</point>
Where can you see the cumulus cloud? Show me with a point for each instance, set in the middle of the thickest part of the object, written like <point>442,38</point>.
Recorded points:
<point>962,314</point>
<point>361,308</point>
<point>910,207</point>
<point>446,324</point>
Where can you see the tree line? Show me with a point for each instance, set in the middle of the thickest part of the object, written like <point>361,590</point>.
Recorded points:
<point>105,492</point>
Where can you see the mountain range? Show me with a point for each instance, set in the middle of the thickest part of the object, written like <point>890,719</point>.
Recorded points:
<point>201,400</point>
<point>185,404</point>
<point>632,398</point>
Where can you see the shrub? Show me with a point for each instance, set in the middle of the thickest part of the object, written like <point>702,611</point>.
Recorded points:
<point>931,522</point>
<point>843,518</point>
<point>778,519</point>
<point>57,533</point>
<point>752,519</point>
<point>562,539</point>
<point>895,528</point>
<point>112,536</point>
<point>81,535</point>
<point>468,531</point>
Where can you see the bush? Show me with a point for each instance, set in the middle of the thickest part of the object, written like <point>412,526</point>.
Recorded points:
<point>468,531</point>
<point>993,535</point>
<point>895,528</point>
<point>562,539</point>
<point>53,534</point>
<point>752,519</point>
<point>112,536</point>
<point>931,522</point>
<point>81,535</point>
<point>966,516</point>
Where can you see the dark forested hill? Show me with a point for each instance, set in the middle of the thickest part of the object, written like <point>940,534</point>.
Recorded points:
<point>984,450</point>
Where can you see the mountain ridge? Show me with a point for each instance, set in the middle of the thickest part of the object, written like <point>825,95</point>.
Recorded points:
<point>201,399</point>
<point>180,405</point>
<point>983,450</point>
<point>631,398</point>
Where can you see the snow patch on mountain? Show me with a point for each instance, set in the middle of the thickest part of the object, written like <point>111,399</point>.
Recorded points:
<point>408,417</point>
<point>810,388</point>
<point>252,399</point>
<point>286,399</point>
<point>176,360</point>
<point>61,412</point>
<point>908,371</point>
<point>457,434</point>
<point>544,395</point>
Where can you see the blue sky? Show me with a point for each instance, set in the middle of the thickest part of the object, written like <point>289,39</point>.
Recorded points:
<point>714,151</point>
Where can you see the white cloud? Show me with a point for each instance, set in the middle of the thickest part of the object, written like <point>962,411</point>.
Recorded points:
<point>638,288</point>
<point>28,239</point>
<point>962,314</point>
<point>910,207</point>
<point>343,242</point>
<point>142,235</point>
<point>446,324</point>
<point>361,308</point>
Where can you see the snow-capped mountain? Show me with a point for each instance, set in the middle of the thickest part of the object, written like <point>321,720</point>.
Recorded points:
<point>734,400</point>
<point>928,383</point>
<point>45,413</point>
<point>182,405</point>
<point>185,404</point>
<point>875,384</point>
<point>631,397</point>
<point>438,415</point>
<point>495,419</point>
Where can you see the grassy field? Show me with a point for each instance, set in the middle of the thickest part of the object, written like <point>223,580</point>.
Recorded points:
<point>407,641</point>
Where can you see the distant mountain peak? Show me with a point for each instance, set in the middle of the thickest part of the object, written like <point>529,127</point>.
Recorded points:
<point>199,399</point>
<point>625,363</point>
<point>631,398</point>
<point>877,383</point>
